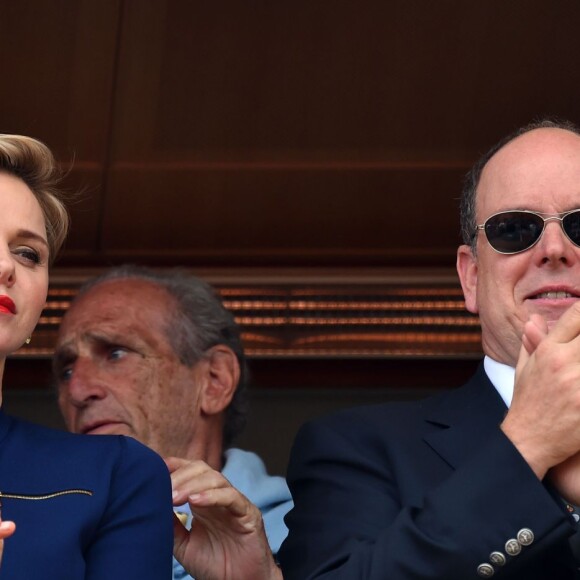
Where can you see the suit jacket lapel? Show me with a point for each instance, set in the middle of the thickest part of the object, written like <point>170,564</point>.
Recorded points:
<point>466,417</point>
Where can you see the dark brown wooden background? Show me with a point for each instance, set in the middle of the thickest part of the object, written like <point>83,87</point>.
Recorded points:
<point>278,133</point>
<point>258,136</point>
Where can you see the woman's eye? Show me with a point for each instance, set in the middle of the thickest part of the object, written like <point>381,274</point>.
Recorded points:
<point>29,255</point>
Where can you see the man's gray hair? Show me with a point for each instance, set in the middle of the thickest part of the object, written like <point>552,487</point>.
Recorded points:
<point>200,322</point>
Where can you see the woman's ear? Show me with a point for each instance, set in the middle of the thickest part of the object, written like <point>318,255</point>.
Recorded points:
<point>223,375</point>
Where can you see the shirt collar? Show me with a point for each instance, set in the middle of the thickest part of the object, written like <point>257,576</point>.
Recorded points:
<point>502,377</point>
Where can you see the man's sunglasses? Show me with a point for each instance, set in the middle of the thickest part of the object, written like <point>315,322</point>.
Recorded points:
<point>511,232</point>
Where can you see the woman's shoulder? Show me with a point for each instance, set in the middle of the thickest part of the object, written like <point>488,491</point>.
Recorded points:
<point>112,466</point>
<point>37,439</point>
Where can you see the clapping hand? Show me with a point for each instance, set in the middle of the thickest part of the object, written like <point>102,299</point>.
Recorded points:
<point>566,475</point>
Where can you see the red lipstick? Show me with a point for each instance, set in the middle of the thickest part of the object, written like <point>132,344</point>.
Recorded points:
<point>7,305</point>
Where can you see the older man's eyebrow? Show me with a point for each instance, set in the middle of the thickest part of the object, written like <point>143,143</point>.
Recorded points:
<point>93,338</point>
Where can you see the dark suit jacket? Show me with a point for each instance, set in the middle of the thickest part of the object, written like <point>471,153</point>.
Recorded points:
<point>421,490</point>
<point>85,507</point>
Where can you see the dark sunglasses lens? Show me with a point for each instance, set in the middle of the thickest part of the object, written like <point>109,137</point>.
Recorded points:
<point>514,231</point>
<point>571,225</point>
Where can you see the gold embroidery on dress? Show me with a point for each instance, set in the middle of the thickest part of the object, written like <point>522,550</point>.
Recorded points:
<point>37,497</point>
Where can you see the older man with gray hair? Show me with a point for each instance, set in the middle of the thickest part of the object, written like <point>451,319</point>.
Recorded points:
<point>157,357</point>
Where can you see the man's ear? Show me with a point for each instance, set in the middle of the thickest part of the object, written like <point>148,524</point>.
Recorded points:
<point>223,375</point>
<point>467,270</point>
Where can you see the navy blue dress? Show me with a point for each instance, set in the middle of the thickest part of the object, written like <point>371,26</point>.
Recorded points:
<point>85,507</point>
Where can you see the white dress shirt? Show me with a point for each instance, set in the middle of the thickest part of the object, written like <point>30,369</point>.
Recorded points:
<point>502,377</point>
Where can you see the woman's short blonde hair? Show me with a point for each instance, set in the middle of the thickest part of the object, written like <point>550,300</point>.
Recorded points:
<point>33,162</point>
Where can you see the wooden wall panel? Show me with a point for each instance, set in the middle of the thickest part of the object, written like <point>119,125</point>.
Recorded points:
<point>58,67</point>
<point>400,79</point>
<point>287,133</point>
<point>283,216</point>
<point>231,133</point>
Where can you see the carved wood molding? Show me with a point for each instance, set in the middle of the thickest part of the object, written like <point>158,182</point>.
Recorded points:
<point>319,313</point>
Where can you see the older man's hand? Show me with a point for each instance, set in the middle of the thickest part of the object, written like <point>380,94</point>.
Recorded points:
<point>227,540</point>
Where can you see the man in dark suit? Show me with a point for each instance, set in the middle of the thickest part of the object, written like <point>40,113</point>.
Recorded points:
<point>482,480</point>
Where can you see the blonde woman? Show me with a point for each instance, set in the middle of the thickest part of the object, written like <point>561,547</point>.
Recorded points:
<point>73,507</point>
